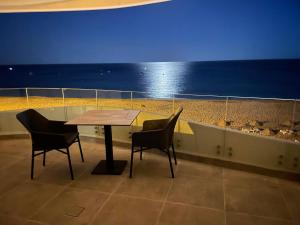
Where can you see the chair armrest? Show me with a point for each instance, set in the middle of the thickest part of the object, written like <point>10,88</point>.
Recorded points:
<point>60,127</point>
<point>150,138</point>
<point>154,124</point>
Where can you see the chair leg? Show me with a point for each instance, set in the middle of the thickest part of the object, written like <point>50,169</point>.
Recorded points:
<point>171,167</point>
<point>32,164</point>
<point>141,153</point>
<point>44,158</point>
<point>82,159</point>
<point>174,155</point>
<point>131,162</point>
<point>70,165</point>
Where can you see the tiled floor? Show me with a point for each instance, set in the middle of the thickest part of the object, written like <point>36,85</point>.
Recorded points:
<point>199,195</point>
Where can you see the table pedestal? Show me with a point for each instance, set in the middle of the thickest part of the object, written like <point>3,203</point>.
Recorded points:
<point>103,168</point>
<point>109,166</point>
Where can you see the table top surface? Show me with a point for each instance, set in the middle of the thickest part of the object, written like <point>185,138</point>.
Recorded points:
<point>105,117</point>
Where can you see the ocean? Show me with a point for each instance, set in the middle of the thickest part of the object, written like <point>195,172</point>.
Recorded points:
<point>246,78</point>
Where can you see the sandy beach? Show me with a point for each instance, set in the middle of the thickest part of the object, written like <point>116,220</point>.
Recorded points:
<point>263,117</point>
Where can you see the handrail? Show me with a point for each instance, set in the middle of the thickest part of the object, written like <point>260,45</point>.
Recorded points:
<point>40,88</point>
<point>12,88</point>
<point>144,92</point>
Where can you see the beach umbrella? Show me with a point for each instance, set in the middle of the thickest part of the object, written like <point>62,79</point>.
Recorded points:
<point>9,6</point>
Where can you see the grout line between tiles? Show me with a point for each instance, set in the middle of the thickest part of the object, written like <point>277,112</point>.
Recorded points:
<point>224,198</point>
<point>25,220</point>
<point>35,221</point>
<point>12,216</point>
<point>166,197</point>
<point>14,161</point>
<point>285,202</point>
<point>138,197</point>
<point>195,206</point>
<point>105,202</point>
<point>263,217</point>
<point>11,189</point>
<point>51,198</point>
<point>275,182</point>
<point>198,176</point>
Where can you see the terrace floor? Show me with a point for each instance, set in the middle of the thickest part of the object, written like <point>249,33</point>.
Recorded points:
<point>199,195</point>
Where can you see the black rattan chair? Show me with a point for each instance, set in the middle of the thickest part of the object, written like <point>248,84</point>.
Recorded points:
<point>48,135</point>
<point>156,134</point>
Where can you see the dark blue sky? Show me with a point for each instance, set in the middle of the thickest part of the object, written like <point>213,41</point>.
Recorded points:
<point>179,30</point>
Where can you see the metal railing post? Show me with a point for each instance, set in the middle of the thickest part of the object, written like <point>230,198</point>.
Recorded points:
<point>131,99</point>
<point>226,110</point>
<point>225,128</point>
<point>65,109</point>
<point>99,99</point>
<point>96,99</point>
<point>294,112</point>
<point>27,97</point>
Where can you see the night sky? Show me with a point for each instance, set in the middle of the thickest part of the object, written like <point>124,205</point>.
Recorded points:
<point>179,30</point>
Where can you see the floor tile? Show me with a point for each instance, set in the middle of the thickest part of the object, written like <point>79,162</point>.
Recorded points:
<point>152,165</point>
<point>195,196</point>
<point>72,206</point>
<point>291,193</point>
<point>151,178</point>
<point>198,191</point>
<point>33,223</point>
<point>27,198</point>
<point>20,147</point>
<point>261,200</point>
<point>176,214</point>
<point>246,179</point>
<point>244,219</point>
<point>121,210</point>
<point>8,220</point>
<point>59,173</point>
<point>13,175</point>
<point>154,188</point>
<point>8,160</point>
<point>104,183</point>
<point>198,169</point>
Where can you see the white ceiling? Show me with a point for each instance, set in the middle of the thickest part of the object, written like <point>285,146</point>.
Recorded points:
<point>7,6</point>
<point>26,2</point>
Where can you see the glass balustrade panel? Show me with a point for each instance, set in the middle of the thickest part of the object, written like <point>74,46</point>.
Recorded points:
<point>110,99</point>
<point>12,99</point>
<point>151,108</point>
<point>209,110</point>
<point>47,101</point>
<point>296,120</point>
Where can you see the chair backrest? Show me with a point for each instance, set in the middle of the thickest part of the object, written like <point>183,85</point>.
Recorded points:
<point>32,120</point>
<point>171,125</point>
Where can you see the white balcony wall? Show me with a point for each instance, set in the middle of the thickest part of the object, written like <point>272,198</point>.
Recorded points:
<point>9,123</point>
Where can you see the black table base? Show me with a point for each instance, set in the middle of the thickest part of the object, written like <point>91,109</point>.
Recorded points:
<point>116,169</point>
<point>109,166</point>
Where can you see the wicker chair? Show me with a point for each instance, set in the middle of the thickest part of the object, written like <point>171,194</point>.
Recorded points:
<point>48,135</point>
<point>156,134</point>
